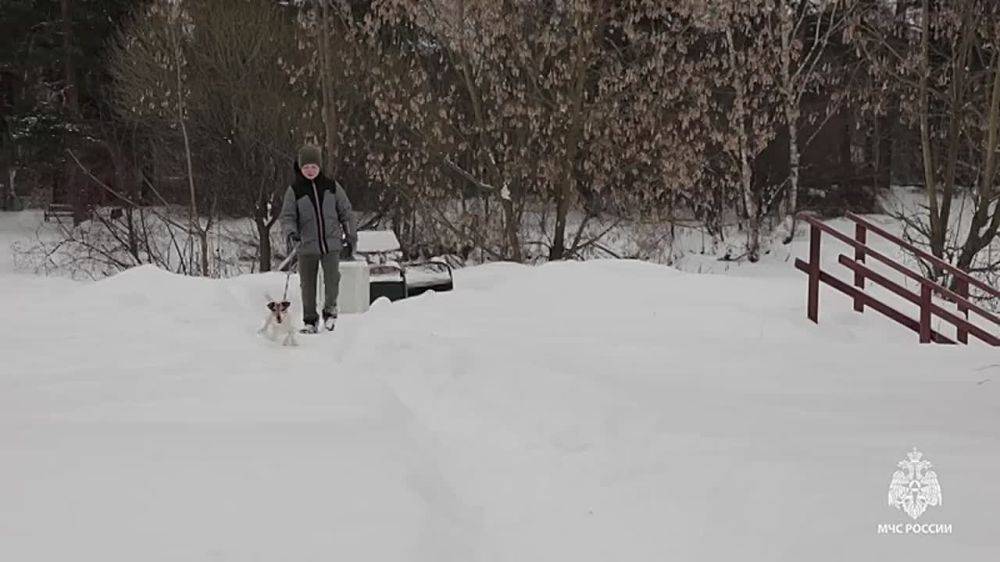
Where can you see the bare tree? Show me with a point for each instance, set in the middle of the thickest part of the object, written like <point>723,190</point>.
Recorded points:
<point>806,29</point>
<point>553,107</point>
<point>247,111</point>
<point>151,67</point>
<point>212,80</point>
<point>747,71</point>
<point>944,65</point>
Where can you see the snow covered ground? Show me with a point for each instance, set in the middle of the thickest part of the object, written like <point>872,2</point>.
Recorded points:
<point>573,411</point>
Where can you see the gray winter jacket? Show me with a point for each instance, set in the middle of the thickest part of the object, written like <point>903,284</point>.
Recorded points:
<point>317,214</point>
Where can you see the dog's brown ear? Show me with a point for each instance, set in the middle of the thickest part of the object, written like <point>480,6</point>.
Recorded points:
<point>271,306</point>
<point>285,305</point>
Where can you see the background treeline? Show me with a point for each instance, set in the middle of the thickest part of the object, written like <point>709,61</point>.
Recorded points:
<point>500,129</point>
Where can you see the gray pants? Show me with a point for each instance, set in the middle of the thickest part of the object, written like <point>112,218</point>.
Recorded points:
<point>308,268</point>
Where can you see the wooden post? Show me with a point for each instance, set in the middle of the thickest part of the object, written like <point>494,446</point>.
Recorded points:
<point>925,313</point>
<point>962,288</point>
<point>861,236</point>
<point>813,306</point>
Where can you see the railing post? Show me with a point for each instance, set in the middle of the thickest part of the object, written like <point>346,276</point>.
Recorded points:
<point>861,236</point>
<point>962,288</point>
<point>813,306</point>
<point>925,313</point>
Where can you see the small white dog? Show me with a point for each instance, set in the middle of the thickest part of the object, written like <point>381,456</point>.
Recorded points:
<point>279,324</point>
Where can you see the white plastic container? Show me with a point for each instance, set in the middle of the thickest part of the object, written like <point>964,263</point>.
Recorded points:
<point>354,287</point>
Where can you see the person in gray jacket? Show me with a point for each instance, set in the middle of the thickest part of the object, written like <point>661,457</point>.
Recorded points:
<point>317,222</point>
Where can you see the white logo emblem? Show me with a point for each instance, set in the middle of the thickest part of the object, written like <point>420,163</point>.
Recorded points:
<point>914,486</point>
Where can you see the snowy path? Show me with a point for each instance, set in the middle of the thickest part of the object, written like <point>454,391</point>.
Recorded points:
<point>192,439</point>
<point>597,411</point>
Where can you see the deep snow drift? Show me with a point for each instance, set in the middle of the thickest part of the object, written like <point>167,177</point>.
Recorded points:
<point>573,411</point>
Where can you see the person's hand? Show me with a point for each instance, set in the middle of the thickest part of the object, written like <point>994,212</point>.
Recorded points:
<point>293,241</point>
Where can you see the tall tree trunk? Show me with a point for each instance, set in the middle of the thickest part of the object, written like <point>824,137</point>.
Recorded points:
<point>885,132</point>
<point>957,113</point>
<point>567,183</point>
<point>512,226</point>
<point>11,188</point>
<point>792,110</point>
<point>123,183</point>
<point>750,202</point>
<point>889,153</point>
<point>794,164</point>
<point>70,93</point>
<point>930,174</point>
<point>71,105</point>
<point>491,169</point>
<point>263,224</point>
<point>558,250</point>
<point>329,110</point>
<point>743,153</point>
<point>133,235</point>
<point>565,190</point>
<point>194,220</point>
<point>986,221</point>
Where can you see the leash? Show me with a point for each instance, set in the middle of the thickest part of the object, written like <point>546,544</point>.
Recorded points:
<point>288,274</point>
<point>288,277</point>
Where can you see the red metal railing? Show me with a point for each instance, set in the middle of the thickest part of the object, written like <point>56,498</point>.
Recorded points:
<point>924,299</point>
